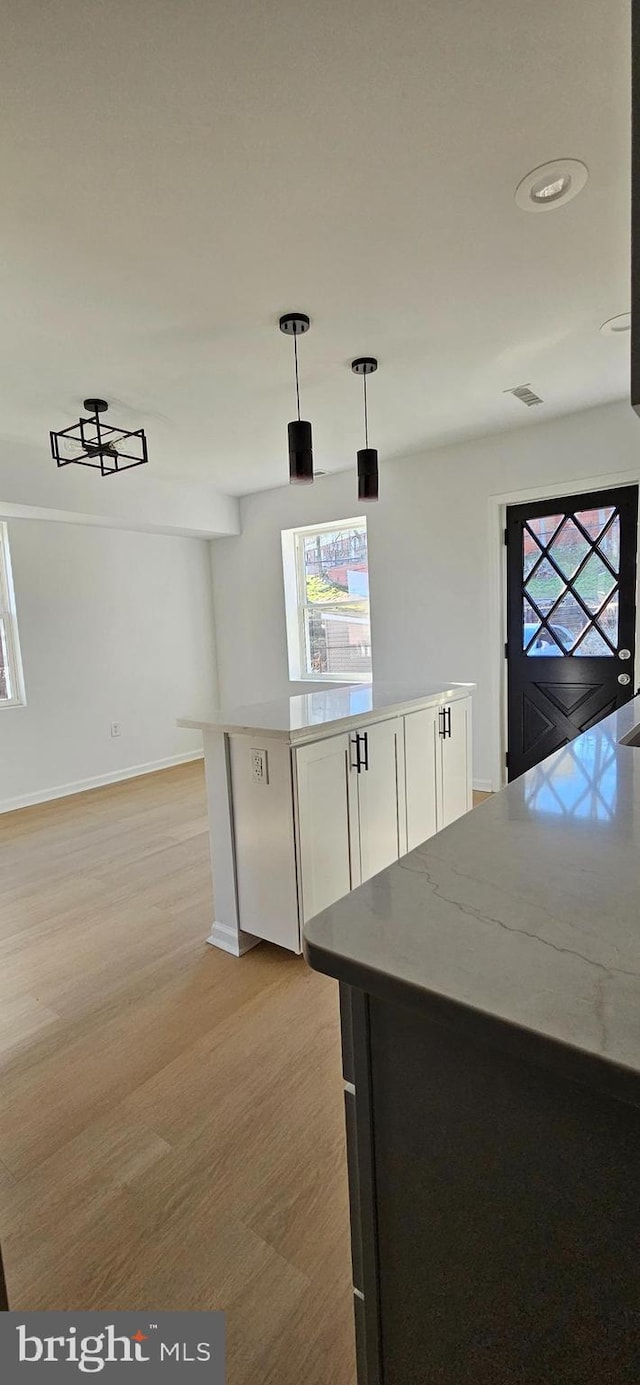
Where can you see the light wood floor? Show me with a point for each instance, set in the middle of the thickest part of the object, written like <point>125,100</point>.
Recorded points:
<point>171,1129</point>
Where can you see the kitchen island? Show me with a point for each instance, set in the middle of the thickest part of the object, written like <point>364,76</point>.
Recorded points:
<point>310,795</point>
<point>490,999</point>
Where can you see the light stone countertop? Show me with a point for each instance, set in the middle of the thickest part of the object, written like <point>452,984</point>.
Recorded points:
<point>525,913</point>
<point>301,717</point>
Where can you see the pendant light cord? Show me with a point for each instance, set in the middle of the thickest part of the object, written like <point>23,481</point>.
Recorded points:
<point>295,352</point>
<point>366,417</point>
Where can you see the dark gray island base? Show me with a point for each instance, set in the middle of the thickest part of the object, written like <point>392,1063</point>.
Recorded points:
<point>490,1003</point>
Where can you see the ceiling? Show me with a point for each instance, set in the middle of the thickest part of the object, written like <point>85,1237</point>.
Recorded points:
<point>177,173</point>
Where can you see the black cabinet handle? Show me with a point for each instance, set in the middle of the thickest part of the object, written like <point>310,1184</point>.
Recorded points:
<point>442,714</point>
<point>362,762</point>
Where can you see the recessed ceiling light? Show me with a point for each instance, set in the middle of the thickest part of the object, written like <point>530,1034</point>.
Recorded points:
<point>550,192</point>
<point>616,326</point>
<point>551,185</point>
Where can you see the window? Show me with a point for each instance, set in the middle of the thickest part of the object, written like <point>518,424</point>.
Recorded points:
<point>326,579</point>
<point>11,686</point>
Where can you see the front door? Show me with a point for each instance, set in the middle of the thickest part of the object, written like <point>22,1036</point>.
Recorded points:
<point>571,615</point>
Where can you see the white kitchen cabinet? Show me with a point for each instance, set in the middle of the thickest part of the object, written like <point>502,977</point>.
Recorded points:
<point>422,774</point>
<point>326,822</point>
<point>263,842</point>
<point>350,814</point>
<point>313,794</point>
<point>381,815</point>
<point>437,742</point>
<point>455,791</point>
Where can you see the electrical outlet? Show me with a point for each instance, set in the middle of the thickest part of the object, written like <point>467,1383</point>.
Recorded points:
<point>259,767</point>
<point>115,728</point>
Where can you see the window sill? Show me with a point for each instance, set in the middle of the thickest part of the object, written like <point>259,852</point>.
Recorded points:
<point>345,679</point>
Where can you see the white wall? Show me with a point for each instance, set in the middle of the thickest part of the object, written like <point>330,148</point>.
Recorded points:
<point>114,626</point>
<point>433,558</point>
<point>32,487</point>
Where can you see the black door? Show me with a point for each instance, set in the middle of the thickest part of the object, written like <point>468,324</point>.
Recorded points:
<point>571,612</point>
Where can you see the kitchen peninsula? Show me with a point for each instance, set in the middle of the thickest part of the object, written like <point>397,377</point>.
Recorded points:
<point>490,999</point>
<point>311,795</point>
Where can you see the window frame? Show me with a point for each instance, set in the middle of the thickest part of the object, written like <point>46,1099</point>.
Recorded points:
<point>296,603</point>
<point>9,622</point>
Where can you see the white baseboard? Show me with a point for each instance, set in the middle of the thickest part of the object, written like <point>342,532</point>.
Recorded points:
<point>229,940</point>
<point>483,786</point>
<point>9,805</point>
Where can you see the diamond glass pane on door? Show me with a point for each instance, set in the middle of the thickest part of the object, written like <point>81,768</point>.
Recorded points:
<point>544,528</point>
<point>606,624</point>
<point>531,554</point>
<point>609,544</point>
<point>569,621</point>
<point>537,640</point>
<point>545,586</point>
<point>595,583</point>
<point>593,645</point>
<point>544,645</point>
<point>568,548</point>
<point>541,530</point>
<point>594,521</point>
<point>530,625</point>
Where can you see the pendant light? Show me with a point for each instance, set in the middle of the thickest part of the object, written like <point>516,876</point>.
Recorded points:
<point>367,456</point>
<point>300,445</point>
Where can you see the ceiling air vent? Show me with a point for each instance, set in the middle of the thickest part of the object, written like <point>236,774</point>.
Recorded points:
<point>525,394</point>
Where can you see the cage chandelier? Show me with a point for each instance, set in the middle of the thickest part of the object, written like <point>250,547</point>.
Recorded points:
<point>90,442</point>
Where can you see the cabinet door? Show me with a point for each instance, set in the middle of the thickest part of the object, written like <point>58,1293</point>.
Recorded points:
<point>326,823</point>
<point>422,749</point>
<point>455,752</point>
<point>381,797</point>
<point>263,841</point>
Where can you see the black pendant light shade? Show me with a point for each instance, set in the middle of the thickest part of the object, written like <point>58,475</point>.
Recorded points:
<point>300,453</point>
<point>300,439</point>
<point>92,442</point>
<point>368,473</point>
<point>368,484</point>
